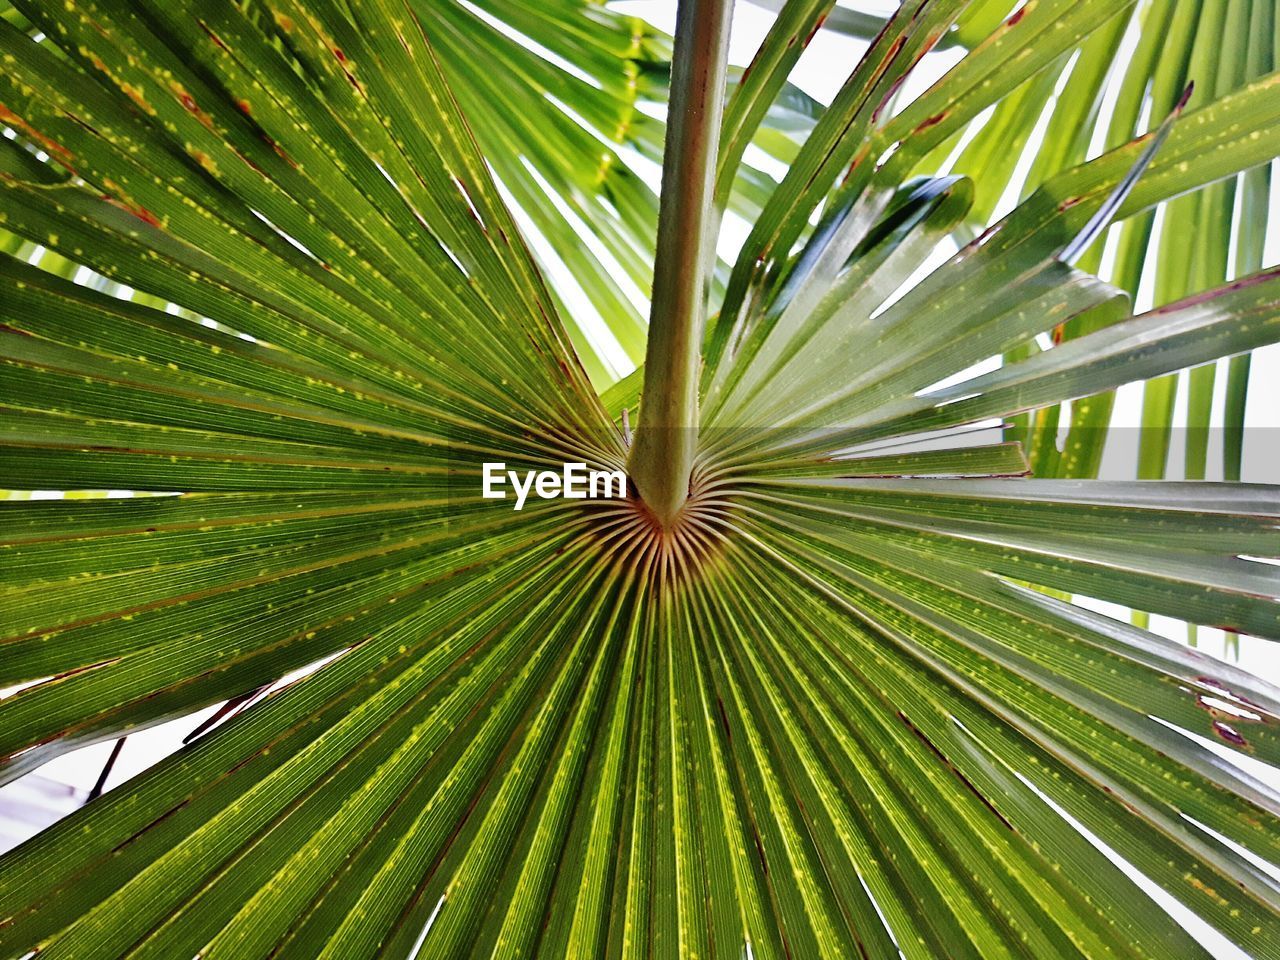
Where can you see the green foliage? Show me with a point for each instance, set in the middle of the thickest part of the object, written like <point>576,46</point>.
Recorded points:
<point>842,705</point>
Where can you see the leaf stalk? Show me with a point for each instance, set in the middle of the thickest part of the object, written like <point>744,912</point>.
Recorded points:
<point>661,461</point>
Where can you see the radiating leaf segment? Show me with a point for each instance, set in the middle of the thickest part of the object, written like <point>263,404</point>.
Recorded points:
<point>816,688</point>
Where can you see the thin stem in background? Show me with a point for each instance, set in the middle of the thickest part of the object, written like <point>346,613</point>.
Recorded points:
<point>101,783</point>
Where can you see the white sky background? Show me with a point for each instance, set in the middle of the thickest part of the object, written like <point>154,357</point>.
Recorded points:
<point>29,803</point>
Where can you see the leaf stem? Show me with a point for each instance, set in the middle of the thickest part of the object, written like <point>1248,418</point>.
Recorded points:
<point>661,461</point>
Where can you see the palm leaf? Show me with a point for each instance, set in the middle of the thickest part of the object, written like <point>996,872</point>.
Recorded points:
<point>1217,46</point>
<point>840,701</point>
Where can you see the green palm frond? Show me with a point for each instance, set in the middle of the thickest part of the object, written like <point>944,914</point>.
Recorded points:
<point>558,128</point>
<point>1108,99</point>
<point>1111,87</point>
<point>829,693</point>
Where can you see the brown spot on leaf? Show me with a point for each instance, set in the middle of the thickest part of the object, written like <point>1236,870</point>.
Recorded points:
<point>189,104</point>
<point>118,198</point>
<point>816,27</point>
<point>724,719</point>
<point>863,152</point>
<point>138,97</point>
<point>202,158</point>
<point>280,152</point>
<point>889,94</point>
<point>213,36</point>
<point>1212,294</point>
<point>928,122</point>
<point>755,836</point>
<point>51,147</point>
<point>145,215</point>
<point>1227,733</point>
